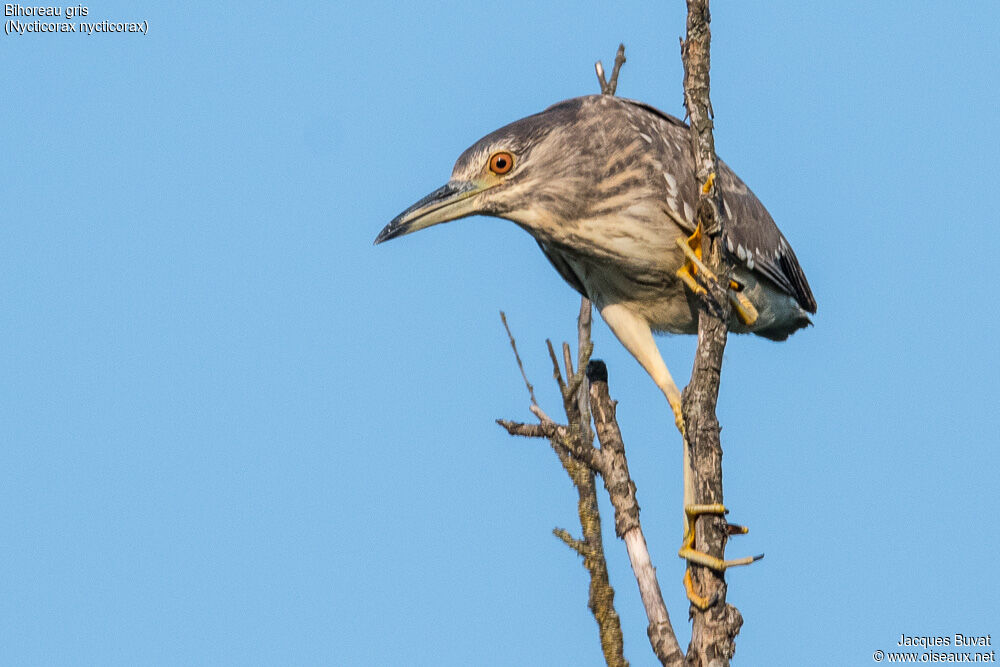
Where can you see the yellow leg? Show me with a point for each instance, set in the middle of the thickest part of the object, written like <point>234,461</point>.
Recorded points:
<point>690,554</point>
<point>637,337</point>
<point>634,333</point>
<point>741,304</point>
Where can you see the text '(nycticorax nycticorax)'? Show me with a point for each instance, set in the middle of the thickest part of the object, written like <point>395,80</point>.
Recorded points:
<point>607,187</point>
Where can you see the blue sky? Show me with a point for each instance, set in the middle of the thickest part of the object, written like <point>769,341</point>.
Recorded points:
<point>234,432</point>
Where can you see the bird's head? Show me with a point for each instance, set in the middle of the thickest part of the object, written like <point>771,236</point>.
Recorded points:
<point>525,171</point>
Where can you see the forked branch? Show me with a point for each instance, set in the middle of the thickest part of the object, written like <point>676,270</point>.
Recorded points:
<point>565,439</point>
<point>574,445</point>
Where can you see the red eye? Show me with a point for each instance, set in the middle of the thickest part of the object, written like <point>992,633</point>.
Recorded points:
<point>501,163</point>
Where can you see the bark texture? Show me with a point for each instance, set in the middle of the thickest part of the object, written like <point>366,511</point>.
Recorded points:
<point>610,462</point>
<point>563,439</point>
<point>622,491</point>
<point>713,630</point>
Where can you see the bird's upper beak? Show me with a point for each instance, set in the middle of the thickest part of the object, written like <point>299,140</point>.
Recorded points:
<point>451,201</point>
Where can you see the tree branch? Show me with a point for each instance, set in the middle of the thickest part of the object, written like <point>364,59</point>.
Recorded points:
<point>573,444</point>
<point>613,467</point>
<point>713,630</point>
<point>581,459</point>
<point>610,86</point>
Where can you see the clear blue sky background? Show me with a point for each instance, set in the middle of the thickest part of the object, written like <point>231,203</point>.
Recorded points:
<point>234,432</point>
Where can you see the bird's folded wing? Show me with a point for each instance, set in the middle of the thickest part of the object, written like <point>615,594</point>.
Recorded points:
<point>753,239</point>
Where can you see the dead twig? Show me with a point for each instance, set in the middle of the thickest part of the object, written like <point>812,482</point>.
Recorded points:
<point>535,408</point>
<point>611,85</point>
<point>564,440</point>
<point>613,467</point>
<point>610,462</point>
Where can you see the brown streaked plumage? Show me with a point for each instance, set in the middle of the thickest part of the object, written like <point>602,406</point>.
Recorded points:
<point>607,188</point>
<point>605,185</point>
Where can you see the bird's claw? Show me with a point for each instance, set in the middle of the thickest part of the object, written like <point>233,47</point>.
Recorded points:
<point>692,555</point>
<point>678,409</point>
<point>706,187</point>
<point>692,249</point>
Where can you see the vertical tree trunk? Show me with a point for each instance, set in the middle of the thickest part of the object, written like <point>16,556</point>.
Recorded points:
<point>713,630</point>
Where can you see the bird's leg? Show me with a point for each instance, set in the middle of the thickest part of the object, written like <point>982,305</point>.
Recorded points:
<point>635,334</point>
<point>692,249</point>
<point>742,306</point>
<point>693,252</point>
<point>692,555</point>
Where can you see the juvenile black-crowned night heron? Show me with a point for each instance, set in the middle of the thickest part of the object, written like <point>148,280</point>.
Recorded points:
<point>607,188</point>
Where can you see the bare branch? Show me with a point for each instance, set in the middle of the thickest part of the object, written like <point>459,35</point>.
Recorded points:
<point>538,412</point>
<point>622,491</point>
<point>544,430</point>
<point>573,445</point>
<point>601,595</point>
<point>583,351</point>
<point>619,61</point>
<point>581,459</point>
<point>535,408</point>
<point>570,373</point>
<point>714,629</point>
<point>579,546</point>
<point>555,368</point>
<point>583,325</point>
<point>611,85</point>
<point>599,68</point>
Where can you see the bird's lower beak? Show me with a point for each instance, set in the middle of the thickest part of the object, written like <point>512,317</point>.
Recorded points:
<point>451,201</point>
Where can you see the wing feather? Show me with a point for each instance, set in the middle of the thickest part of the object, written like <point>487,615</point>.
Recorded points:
<point>751,236</point>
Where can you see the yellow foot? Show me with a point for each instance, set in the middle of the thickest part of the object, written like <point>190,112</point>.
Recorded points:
<point>699,601</point>
<point>690,554</point>
<point>692,248</point>
<point>677,408</point>
<point>741,304</point>
<point>706,187</point>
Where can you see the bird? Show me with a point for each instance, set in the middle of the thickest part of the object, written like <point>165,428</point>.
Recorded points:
<point>607,187</point>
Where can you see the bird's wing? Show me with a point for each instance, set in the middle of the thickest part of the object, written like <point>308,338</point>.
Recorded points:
<point>750,237</point>
<point>563,267</point>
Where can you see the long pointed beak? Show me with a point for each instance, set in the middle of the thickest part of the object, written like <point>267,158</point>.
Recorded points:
<point>449,202</point>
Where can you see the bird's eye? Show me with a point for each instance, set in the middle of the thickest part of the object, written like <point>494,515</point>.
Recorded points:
<point>501,163</point>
